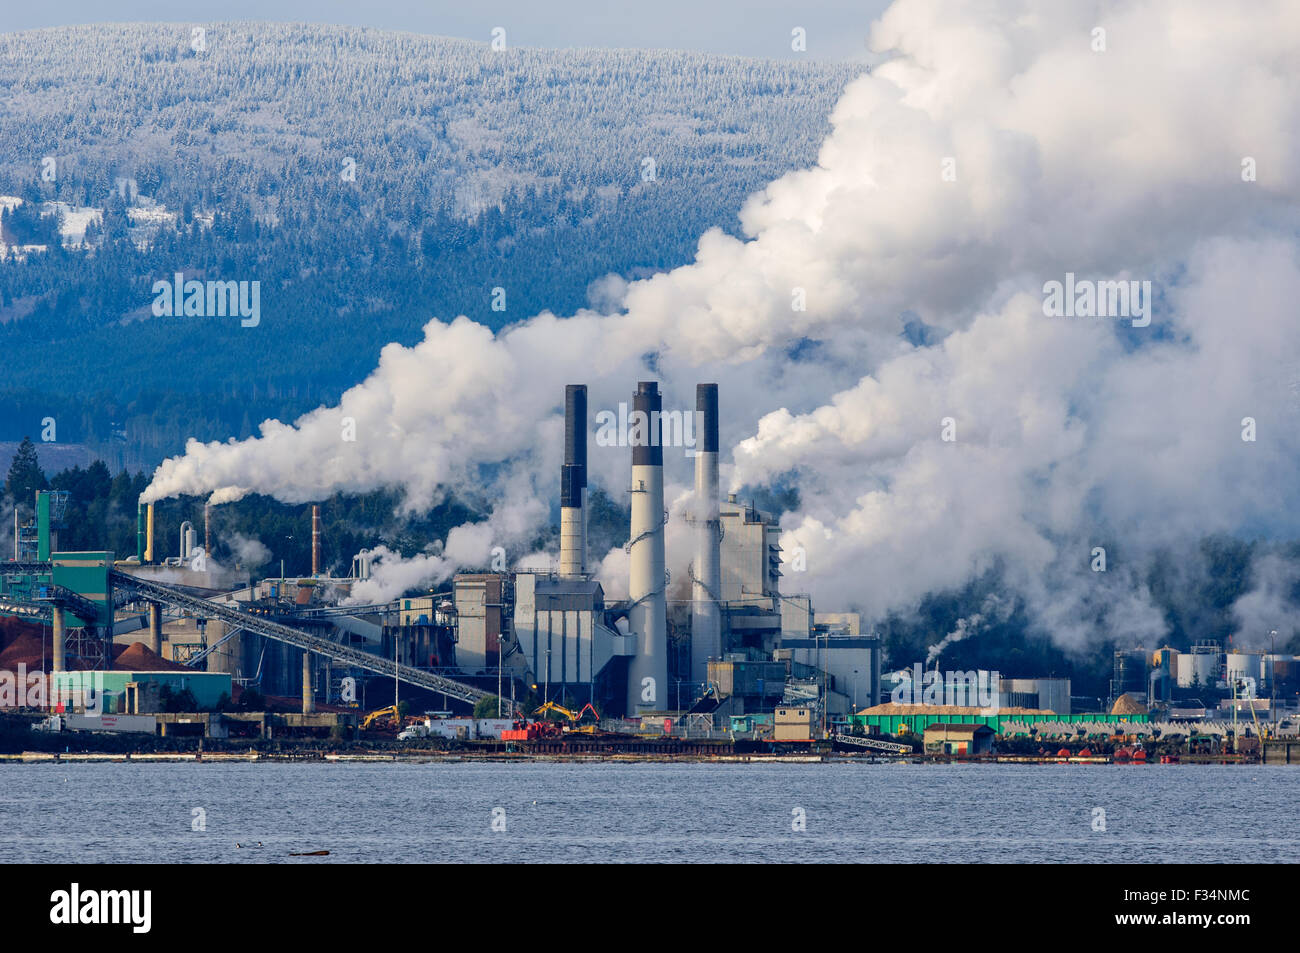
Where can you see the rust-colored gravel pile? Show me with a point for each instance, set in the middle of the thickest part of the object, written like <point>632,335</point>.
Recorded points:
<point>25,649</point>
<point>138,657</point>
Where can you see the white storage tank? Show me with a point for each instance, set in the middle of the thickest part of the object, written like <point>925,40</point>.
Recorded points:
<point>1239,665</point>
<point>1197,668</point>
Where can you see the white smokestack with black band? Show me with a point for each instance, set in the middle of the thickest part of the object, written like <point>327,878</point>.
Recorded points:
<point>573,483</point>
<point>706,587</point>
<point>647,682</point>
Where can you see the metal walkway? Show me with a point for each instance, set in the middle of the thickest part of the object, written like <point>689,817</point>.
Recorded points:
<point>229,614</point>
<point>858,741</point>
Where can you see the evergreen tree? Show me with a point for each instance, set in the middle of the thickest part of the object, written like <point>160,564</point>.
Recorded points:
<point>25,474</point>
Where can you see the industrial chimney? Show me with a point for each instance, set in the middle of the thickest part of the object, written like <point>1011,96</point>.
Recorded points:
<point>647,682</point>
<point>706,584</point>
<point>315,540</point>
<point>573,483</point>
<point>207,530</point>
<point>148,534</point>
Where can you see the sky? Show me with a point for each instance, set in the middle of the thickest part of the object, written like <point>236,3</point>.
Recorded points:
<point>834,29</point>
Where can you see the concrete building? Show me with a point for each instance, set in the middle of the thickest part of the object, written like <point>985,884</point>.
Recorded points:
<point>1049,694</point>
<point>562,641</point>
<point>958,739</point>
<point>751,555</point>
<point>481,605</point>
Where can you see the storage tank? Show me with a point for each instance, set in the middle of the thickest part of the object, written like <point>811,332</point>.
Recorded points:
<point>1243,665</point>
<point>1279,667</point>
<point>1198,668</point>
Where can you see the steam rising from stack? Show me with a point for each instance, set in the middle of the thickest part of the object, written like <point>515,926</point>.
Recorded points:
<point>648,616</point>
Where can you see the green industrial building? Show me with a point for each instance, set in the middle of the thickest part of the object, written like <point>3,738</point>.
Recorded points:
<point>917,723</point>
<point>206,687</point>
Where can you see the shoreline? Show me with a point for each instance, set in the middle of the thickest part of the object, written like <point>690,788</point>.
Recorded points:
<point>429,757</point>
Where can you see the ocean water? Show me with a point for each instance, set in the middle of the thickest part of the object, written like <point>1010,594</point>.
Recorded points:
<point>651,812</point>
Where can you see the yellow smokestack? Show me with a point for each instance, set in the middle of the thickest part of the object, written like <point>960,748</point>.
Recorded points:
<point>148,535</point>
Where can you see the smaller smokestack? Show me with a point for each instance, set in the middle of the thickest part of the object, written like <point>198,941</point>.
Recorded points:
<point>315,540</point>
<point>207,530</point>
<point>148,535</point>
<point>139,534</point>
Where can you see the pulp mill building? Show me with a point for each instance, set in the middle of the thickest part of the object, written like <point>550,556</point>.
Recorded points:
<point>728,642</point>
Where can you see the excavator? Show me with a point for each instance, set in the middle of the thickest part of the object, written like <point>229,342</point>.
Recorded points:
<point>389,712</point>
<point>574,718</point>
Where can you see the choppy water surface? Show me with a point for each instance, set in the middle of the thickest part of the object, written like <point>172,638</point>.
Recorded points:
<point>124,812</point>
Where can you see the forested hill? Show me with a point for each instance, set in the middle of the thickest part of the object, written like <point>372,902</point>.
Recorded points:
<point>367,180</point>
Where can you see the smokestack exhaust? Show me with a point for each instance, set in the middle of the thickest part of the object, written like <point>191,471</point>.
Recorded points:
<point>315,540</point>
<point>647,682</point>
<point>573,483</point>
<point>706,582</point>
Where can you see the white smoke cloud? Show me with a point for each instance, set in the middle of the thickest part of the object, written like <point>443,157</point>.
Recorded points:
<point>249,553</point>
<point>1071,433</point>
<point>1269,605</point>
<point>994,609</point>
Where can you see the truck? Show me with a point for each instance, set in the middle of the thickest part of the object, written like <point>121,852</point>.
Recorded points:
<point>143,724</point>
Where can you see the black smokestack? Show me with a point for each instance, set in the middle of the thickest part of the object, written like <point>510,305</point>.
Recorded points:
<point>648,451</point>
<point>706,405</point>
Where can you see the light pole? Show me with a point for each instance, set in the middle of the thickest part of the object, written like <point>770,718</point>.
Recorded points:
<point>1272,679</point>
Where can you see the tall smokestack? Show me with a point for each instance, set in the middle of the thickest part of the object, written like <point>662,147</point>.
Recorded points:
<point>207,530</point>
<point>139,534</point>
<point>647,682</point>
<point>706,588</point>
<point>573,483</point>
<point>148,534</point>
<point>315,540</point>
